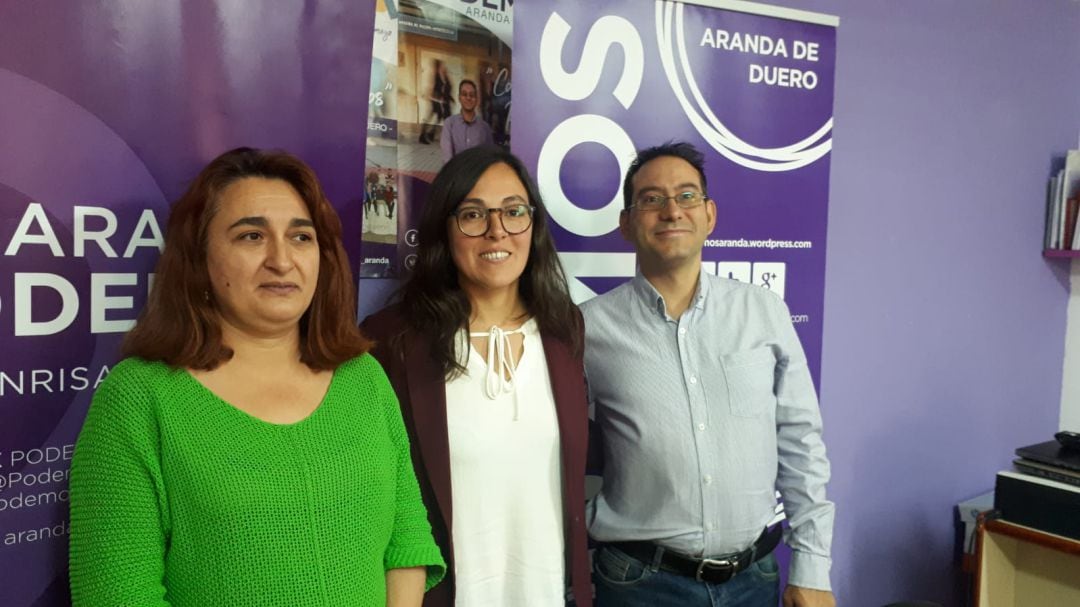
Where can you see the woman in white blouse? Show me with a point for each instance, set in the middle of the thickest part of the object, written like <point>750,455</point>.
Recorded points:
<point>483,346</point>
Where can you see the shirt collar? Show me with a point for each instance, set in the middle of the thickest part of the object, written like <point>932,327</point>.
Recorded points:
<point>653,300</point>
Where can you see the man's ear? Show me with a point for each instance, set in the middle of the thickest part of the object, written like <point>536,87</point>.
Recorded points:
<point>710,211</point>
<point>624,225</point>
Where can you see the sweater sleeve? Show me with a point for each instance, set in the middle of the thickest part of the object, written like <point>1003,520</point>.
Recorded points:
<point>118,517</point>
<point>411,542</point>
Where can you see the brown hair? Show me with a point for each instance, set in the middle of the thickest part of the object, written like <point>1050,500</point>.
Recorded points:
<point>179,324</point>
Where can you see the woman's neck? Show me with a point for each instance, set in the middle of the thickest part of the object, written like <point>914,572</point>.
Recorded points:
<point>268,351</point>
<point>504,309</point>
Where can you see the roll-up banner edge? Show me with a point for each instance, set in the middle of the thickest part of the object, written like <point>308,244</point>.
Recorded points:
<point>768,10</point>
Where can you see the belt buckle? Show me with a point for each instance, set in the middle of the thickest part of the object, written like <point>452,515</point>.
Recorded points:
<point>729,564</point>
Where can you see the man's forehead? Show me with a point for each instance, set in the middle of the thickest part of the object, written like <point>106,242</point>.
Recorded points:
<point>665,169</point>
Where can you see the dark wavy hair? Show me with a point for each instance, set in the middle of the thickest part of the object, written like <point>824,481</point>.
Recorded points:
<point>432,301</point>
<point>677,149</point>
<point>180,325</point>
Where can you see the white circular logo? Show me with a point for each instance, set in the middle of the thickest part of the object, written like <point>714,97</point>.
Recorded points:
<point>672,46</point>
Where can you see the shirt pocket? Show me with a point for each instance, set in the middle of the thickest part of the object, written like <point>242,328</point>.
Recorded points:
<point>749,376</point>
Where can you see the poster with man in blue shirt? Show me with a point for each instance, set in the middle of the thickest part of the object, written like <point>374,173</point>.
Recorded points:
<point>706,408</point>
<point>465,129</point>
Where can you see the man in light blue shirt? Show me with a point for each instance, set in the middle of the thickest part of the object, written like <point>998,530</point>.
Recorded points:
<point>706,408</point>
<point>467,129</point>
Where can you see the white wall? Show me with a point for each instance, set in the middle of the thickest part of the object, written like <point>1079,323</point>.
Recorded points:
<point>1070,376</point>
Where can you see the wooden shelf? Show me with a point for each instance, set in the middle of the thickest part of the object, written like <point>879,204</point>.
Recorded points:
<point>1020,566</point>
<point>1060,253</point>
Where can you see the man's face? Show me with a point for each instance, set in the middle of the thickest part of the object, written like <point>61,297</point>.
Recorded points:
<point>670,237</point>
<point>467,96</point>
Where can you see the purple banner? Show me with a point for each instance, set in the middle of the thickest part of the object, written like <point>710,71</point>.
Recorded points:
<point>597,80</point>
<point>107,110</point>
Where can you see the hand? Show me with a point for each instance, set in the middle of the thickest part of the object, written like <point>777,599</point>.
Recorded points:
<point>796,596</point>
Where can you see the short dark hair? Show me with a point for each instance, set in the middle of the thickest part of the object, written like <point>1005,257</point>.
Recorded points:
<point>470,82</point>
<point>678,149</point>
<point>179,324</point>
<point>434,304</point>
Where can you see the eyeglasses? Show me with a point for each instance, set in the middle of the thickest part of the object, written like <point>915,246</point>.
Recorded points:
<point>475,221</point>
<point>686,200</point>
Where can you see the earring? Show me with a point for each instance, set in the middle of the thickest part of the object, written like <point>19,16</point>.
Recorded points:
<point>206,296</point>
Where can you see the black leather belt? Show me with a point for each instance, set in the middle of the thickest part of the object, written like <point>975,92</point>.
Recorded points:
<point>716,570</point>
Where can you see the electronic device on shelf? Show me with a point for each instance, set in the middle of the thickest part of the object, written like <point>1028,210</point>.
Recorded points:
<point>1068,440</point>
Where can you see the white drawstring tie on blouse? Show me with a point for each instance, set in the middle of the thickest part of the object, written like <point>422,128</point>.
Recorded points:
<point>500,362</point>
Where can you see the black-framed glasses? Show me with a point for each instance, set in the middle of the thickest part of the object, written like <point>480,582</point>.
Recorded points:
<point>474,221</point>
<point>686,200</point>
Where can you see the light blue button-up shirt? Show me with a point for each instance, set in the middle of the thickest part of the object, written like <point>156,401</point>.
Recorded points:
<point>459,135</point>
<point>704,418</point>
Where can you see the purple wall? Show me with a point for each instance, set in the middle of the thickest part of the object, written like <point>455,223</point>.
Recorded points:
<point>944,327</point>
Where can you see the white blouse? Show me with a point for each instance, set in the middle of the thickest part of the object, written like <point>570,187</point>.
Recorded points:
<point>506,477</point>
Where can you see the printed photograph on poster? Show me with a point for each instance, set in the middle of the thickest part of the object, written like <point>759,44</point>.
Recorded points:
<point>440,84</point>
<point>380,202</point>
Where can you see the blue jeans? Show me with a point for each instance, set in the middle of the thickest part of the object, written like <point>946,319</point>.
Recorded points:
<point>623,581</point>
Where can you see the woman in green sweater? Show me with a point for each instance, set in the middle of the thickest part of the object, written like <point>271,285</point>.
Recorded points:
<point>248,451</point>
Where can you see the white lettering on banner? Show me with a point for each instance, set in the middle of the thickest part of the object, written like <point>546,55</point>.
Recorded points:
<point>32,487</point>
<point>82,234</point>
<point>35,213</point>
<point>584,128</point>
<point>757,44</point>
<point>783,76</point>
<point>767,275</point>
<point>805,50</point>
<point>577,265</point>
<point>606,32</point>
<point>26,283</point>
<point>35,229</point>
<point>765,243</point>
<point>46,455</point>
<point>34,479</point>
<point>499,5</point>
<point>30,500</point>
<point>36,535</point>
<point>98,322</point>
<point>147,221</point>
<point>33,381</point>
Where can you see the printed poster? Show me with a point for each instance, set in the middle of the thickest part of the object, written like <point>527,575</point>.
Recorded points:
<point>434,63</point>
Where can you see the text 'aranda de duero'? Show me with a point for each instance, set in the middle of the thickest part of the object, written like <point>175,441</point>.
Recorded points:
<point>767,46</point>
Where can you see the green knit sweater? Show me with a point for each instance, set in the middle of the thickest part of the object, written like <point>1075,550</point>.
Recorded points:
<point>178,498</point>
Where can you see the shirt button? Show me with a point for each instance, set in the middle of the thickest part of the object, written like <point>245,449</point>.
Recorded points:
<point>708,479</point>
<point>701,426</point>
<point>709,526</point>
<point>693,379</point>
<point>682,330</point>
